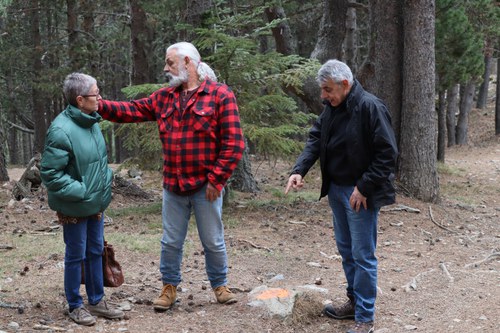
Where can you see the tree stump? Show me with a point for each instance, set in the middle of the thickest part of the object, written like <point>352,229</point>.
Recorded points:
<point>30,180</point>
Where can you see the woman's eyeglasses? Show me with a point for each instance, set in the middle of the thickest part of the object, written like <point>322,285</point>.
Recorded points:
<point>94,95</point>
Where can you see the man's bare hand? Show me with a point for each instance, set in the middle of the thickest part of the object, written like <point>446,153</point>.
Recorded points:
<point>295,181</point>
<point>357,200</point>
<point>212,193</point>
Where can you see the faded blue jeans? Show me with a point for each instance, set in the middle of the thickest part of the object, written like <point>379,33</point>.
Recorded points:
<point>84,242</point>
<point>356,237</point>
<point>176,213</point>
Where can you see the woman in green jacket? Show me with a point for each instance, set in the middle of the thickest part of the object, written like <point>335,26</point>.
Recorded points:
<point>75,170</point>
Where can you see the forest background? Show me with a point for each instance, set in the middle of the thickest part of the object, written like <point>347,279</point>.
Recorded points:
<point>428,60</point>
<point>435,63</point>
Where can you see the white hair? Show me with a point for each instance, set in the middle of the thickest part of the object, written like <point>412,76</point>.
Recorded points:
<point>335,70</point>
<point>186,49</point>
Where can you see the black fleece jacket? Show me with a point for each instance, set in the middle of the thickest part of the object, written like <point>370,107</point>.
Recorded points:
<point>371,147</point>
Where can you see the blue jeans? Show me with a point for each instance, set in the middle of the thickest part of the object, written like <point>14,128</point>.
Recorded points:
<point>356,237</point>
<point>176,213</point>
<point>84,242</point>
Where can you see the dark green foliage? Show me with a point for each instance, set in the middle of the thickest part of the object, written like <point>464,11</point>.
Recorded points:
<point>142,138</point>
<point>460,40</point>
<point>271,120</point>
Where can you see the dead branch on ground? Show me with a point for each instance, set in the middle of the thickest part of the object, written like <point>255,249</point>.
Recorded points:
<point>254,245</point>
<point>412,285</point>
<point>401,208</point>
<point>439,224</point>
<point>445,270</point>
<point>488,258</point>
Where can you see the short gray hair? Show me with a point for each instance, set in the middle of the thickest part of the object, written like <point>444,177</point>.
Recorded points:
<point>77,84</point>
<point>186,49</point>
<point>335,70</point>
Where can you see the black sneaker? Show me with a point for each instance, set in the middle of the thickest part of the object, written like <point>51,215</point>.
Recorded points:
<point>344,311</point>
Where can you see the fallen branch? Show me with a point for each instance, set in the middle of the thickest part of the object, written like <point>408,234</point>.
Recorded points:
<point>488,258</point>
<point>400,208</point>
<point>297,222</point>
<point>6,247</point>
<point>445,270</point>
<point>254,245</point>
<point>413,282</point>
<point>439,224</point>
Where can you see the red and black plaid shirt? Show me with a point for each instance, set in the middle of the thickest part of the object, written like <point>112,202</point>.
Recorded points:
<point>202,143</point>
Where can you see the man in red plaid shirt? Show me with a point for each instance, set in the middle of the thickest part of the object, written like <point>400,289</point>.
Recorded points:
<point>199,127</point>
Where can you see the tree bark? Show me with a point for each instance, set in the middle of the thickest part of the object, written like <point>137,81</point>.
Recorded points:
<point>497,99</point>
<point>381,73</point>
<point>88,23</point>
<point>37,95</point>
<point>285,43</point>
<point>350,40</point>
<point>309,92</point>
<point>72,26</point>
<point>12,135</point>
<point>466,100</point>
<point>441,112</point>
<point>332,30</point>
<point>4,175</point>
<point>482,96</point>
<point>418,169</point>
<point>451,111</point>
<point>141,41</point>
<point>242,179</point>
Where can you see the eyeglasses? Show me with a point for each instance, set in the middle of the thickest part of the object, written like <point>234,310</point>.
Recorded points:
<point>95,95</point>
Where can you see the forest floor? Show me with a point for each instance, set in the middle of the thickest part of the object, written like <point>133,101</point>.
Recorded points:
<point>439,264</point>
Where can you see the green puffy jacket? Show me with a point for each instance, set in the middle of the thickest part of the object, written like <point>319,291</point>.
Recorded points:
<point>74,165</point>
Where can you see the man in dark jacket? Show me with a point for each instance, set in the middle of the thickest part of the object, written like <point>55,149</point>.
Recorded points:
<point>356,146</point>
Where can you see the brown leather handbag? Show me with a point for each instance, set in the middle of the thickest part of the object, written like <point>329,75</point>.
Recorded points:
<point>111,269</point>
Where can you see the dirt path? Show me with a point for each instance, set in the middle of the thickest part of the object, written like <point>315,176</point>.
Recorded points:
<point>439,269</point>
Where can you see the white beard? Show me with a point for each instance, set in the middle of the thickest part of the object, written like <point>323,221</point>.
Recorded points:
<point>177,80</point>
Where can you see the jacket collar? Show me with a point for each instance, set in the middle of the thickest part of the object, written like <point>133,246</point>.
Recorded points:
<point>82,119</point>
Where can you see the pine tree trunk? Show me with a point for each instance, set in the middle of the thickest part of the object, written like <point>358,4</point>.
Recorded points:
<point>4,175</point>
<point>140,42</point>
<point>441,111</point>
<point>285,43</point>
<point>451,111</point>
<point>482,96</point>
<point>332,31</point>
<point>497,103</point>
<point>242,179</point>
<point>418,167</point>
<point>381,72</point>
<point>37,96</point>
<point>466,100</point>
<point>351,41</point>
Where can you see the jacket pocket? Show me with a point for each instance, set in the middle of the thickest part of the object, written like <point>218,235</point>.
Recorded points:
<point>204,120</point>
<point>165,122</point>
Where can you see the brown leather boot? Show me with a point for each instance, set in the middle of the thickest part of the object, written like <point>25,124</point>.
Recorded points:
<point>167,298</point>
<point>343,311</point>
<point>224,295</point>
